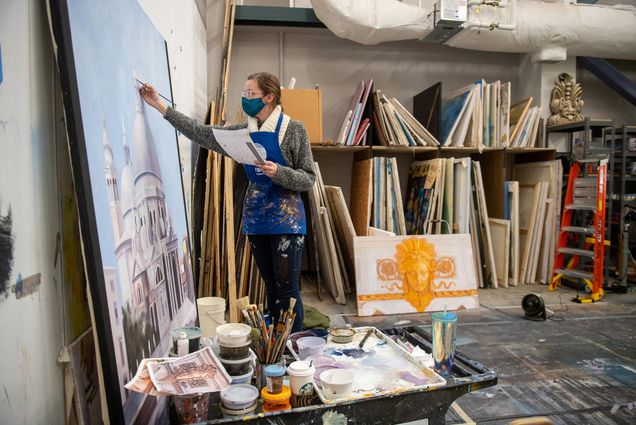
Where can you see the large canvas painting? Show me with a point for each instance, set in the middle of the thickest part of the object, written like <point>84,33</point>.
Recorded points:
<point>127,173</point>
<point>414,274</point>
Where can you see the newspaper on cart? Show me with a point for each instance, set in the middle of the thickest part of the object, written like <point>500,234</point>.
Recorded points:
<point>199,372</point>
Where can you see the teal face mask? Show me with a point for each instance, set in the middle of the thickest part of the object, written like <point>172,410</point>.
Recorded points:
<point>252,106</point>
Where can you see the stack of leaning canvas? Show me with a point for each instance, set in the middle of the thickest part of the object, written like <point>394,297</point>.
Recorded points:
<point>481,115</point>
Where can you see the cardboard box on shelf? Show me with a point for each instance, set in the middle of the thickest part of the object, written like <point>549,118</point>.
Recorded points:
<point>305,105</point>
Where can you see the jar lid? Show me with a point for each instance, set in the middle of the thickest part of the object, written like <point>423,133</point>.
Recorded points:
<point>274,370</point>
<point>239,394</point>
<point>283,396</point>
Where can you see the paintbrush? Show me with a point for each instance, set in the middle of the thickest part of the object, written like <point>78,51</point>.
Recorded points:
<point>280,346</point>
<point>174,105</point>
<point>364,340</point>
<point>248,320</point>
<point>270,337</point>
<point>243,303</point>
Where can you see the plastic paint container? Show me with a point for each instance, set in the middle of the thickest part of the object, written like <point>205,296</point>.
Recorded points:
<point>236,367</point>
<point>274,374</point>
<point>239,397</point>
<point>243,379</point>
<point>235,351</point>
<point>232,334</point>
<point>276,402</point>
<point>310,346</point>
<point>336,383</point>
<point>237,413</point>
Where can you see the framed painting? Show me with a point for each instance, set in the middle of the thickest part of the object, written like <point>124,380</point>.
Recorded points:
<point>414,274</point>
<point>127,175</point>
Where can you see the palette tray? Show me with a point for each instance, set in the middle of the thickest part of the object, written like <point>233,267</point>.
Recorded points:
<point>380,368</point>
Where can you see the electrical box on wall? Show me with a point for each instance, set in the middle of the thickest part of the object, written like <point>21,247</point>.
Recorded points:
<point>448,19</point>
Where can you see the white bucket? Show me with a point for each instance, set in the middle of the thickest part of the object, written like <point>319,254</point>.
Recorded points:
<point>211,315</point>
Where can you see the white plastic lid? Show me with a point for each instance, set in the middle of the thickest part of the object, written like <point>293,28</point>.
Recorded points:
<point>239,394</point>
<point>301,368</point>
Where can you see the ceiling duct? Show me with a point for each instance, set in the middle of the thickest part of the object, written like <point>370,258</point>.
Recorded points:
<point>549,31</point>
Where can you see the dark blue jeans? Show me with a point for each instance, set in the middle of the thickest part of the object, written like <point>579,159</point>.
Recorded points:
<point>278,258</point>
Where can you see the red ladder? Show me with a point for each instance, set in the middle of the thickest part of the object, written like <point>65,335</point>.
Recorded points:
<point>584,193</point>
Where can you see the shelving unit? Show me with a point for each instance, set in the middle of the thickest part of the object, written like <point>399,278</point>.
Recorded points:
<point>623,186</point>
<point>496,164</point>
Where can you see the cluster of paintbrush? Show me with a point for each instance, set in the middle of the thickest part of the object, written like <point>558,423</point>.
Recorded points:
<point>268,342</point>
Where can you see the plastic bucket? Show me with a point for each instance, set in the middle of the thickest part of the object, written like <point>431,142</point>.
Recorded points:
<point>211,314</point>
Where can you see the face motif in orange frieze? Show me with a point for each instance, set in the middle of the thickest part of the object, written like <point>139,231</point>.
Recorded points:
<point>416,262</point>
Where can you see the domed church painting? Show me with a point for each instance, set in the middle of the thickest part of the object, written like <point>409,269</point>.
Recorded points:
<point>128,179</point>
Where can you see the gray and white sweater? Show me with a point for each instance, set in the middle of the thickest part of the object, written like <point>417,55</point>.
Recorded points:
<point>299,173</point>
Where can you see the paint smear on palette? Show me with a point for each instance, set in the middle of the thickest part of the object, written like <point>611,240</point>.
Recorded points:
<point>409,377</point>
<point>354,353</point>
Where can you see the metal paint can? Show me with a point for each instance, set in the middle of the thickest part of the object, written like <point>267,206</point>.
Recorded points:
<point>444,333</point>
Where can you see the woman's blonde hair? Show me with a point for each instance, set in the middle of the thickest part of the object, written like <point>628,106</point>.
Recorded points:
<point>268,83</point>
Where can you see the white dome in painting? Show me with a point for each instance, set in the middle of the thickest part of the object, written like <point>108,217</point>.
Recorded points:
<point>144,155</point>
<point>127,183</point>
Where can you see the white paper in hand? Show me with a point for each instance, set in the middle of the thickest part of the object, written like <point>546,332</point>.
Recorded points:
<point>235,144</point>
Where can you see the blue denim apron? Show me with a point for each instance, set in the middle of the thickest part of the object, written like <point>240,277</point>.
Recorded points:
<point>269,209</point>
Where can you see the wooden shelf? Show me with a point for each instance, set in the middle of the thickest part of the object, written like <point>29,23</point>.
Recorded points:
<point>423,149</point>
<point>338,148</point>
<point>403,149</point>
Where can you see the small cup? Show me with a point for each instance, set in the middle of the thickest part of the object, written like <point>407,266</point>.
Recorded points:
<point>301,382</point>
<point>444,328</point>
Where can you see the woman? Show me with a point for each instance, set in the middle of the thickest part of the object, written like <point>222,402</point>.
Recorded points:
<point>273,212</point>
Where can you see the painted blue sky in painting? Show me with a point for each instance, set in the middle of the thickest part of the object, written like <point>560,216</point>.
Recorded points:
<point>111,41</point>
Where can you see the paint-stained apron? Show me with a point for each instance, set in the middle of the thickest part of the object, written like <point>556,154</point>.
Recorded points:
<point>269,209</point>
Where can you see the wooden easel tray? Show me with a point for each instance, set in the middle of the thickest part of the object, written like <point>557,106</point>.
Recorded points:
<point>380,368</point>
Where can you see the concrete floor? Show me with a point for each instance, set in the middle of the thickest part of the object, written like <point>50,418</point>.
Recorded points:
<point>578,367</point>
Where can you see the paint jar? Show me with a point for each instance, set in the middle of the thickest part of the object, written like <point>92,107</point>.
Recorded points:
<point>232,334</point>
<point>261,376</point>
<point>274,375</point>
<point>336,383</point>
<point>191,408</point>
<point>235,351</point>
<point>236,367</point>
<point>301,382</point>
<point>444,329</point>
<point>193,334</point>
<point>239,398</point>
<point>276,402</point>
<point>245,378</point>
<point>310,346</point>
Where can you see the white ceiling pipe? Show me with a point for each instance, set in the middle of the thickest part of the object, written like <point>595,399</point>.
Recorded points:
<point>374,21</point>
<point>474,4</point>
<point>579,29</point>
<point>572,29</point>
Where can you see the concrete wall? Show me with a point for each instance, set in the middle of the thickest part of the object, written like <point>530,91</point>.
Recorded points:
<point>31,307</point>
